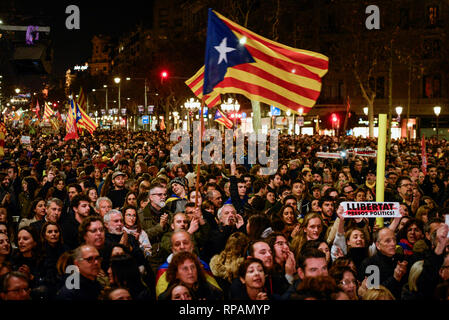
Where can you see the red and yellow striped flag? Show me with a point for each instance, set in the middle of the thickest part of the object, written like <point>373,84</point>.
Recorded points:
<point>85,121</point>
<point>195,83</point>
<point>240,61</point>
<point>2,136</point>
<point>48,112</point>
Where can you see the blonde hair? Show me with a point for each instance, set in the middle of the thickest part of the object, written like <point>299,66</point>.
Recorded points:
<point>226,264</point>
<point>415,272</point>
<point>381,293</point>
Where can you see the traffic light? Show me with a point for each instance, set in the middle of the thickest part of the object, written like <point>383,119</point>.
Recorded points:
<point>334,118</point>
<point>164,75</point>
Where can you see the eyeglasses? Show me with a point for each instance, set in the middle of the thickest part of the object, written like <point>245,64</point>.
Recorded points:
<point>407,185</point>
<point>158,194</point>
<point>444,267</point>
<point>130,215</point>
<point>91,260</point>
<point>281,243</point>
<point>96,230</point>
<point>131,198</point>
<point>347,282</point>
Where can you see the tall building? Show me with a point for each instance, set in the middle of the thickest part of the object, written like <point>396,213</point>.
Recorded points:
<point>100,62</point>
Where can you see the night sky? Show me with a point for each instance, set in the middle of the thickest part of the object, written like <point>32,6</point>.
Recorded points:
<point>73,47</point>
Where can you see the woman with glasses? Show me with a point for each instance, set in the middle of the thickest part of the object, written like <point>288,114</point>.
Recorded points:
<point>346,280</point>
<point>132,227</point>
<point>284,263</point>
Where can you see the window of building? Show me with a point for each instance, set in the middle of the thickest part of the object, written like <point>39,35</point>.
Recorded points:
<point>432,86</point>
<point>163,12</point>
<point>431,48</point>
<point>432,15</point>
<point>404,16</point>
<point>163,24</point>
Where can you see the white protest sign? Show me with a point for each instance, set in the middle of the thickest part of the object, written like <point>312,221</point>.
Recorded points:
<point>330,155</point>
<point>364,152</point>
<point>371,209</point>
<point>25,140</point>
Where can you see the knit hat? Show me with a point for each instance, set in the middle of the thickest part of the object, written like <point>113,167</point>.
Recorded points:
<point>178,180</point>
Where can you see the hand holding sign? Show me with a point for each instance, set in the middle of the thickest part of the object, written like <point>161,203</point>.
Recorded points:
<point>370,209</point>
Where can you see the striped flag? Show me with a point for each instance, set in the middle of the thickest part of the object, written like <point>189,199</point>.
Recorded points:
<point>239,61</point>
<point>48,112</point>
<point>2,136</point>
<point>82,119</point>
<point>71,123</point>
<point>195,83</point>
<point>221,118</point>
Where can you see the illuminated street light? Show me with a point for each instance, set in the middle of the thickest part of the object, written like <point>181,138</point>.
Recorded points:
<point>437,111</point>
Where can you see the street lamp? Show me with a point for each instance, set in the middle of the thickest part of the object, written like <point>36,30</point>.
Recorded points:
<point>17,90</point>
<point>399,111</point>
<point>117,80</point>
<point>365,111</point>
<point>437,110</point>
<point>191,105</point>
<point>231,106</point>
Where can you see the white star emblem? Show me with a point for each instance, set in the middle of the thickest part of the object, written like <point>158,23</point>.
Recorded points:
<point>223,49</point>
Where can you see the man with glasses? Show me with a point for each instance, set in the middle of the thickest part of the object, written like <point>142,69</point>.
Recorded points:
<point>405,193</point>
<point>15,286</point>
<point>88,261</point>
<point>154,220</point>
<point>115,234</point>
<point>348,192</point>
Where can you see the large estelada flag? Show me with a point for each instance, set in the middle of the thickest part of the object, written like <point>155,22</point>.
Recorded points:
<point>82,118</point>
<point>239,61</point>
<point>222,119</point>
<point>71,123</point>
<point>195,83</point>
<point>48,112</point>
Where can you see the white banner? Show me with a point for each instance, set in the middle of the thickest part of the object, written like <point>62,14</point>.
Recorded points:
<point>371,209</point>
<point>331,155</point>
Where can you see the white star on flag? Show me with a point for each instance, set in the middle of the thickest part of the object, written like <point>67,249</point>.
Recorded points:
<point>223,49</point>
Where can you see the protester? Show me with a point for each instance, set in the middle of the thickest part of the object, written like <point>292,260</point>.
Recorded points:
<point>64,189</point>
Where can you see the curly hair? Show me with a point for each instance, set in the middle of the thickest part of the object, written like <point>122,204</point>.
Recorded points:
<point>225,264</point>
<point>180,258</point>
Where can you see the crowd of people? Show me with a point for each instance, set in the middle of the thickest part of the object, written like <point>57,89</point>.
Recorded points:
<point>110,217</point>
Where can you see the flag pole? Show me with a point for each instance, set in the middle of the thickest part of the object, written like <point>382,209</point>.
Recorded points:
<point>198,166</point>
<point>380,181</point>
